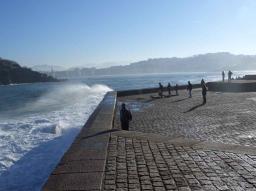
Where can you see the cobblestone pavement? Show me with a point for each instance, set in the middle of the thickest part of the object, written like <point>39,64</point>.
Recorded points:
<point>137,164</point>
<point>226,117</point>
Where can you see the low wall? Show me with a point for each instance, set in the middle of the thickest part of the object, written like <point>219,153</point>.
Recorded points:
<point>82,166</point>
<point>249,77</point>
<point>234,86</point>
<point>150,90</point>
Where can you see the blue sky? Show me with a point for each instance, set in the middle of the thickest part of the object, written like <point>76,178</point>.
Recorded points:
<point>110,32</point>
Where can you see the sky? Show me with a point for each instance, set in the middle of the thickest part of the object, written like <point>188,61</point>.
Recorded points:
<point>100,33</point>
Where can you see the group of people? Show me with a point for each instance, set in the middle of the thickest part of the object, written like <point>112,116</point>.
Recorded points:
<point>189,89</point>
<point>229,75</point>
<point>204,90</point>
<point>169,89</point>
<point>126,116</point>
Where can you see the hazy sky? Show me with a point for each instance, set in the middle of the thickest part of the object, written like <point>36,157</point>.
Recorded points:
<point>101,33</point>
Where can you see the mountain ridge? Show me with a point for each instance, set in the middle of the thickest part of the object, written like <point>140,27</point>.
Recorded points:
<point>209,62</point>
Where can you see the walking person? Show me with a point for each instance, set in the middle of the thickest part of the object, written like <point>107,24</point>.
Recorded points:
<point>125,117</point>
<point>161,88</point>
<point>169,87</point>
<point>204,90</point>
<point>189,88</point>
<point>223,76</point>
<point>176,89</point>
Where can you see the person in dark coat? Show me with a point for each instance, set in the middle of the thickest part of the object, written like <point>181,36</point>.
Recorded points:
<point>229,75</point>
<point>125,117</point>
<point>176,89</point>
<point>161,89</point>
<point>189,88</point>
<point>223,76</point>
<point>204,90</point>
<point>169,87</point>
<point>202,82</point>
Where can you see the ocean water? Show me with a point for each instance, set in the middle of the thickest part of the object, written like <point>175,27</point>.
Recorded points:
<point>138,81</point>
<point>38,122</point>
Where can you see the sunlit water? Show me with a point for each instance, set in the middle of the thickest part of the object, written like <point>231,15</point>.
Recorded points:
<point>38,122</point>
<point>151,80</point>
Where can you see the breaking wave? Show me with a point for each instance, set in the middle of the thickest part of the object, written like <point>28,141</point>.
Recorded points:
<point>35,134</point>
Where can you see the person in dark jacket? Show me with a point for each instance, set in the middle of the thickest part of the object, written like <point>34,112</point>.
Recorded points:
<point>223,76</point>
<point>125,117</point>
<point>189,88</point>
<point>176,89</point>
<point>169,87</point>
<point>204,90</point>
<point>229,75</point>
<point>202,81</point>
<point>161,89</point>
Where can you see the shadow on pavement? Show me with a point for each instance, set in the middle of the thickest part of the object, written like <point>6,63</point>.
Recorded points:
<point>158,97</point>
<point>179,100</point>
<point>193,108</point>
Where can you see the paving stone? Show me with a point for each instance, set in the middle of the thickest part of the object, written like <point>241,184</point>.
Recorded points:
<point>146,186</point>
<point>231,113</point>
<point>153,164</point>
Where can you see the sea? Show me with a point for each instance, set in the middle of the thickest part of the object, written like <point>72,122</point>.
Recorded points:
<point>39,121</point>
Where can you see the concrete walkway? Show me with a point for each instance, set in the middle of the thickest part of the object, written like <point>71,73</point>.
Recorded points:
<point>177,143</point>
<point>174,143</point>
<point>225,118</point>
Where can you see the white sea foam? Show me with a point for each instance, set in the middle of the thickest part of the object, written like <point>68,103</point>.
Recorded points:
<point>32,142</point>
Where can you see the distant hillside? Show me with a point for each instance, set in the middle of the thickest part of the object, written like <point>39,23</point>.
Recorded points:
<point>11,72</point>
<point>199,63</point>
<point>47,68</point>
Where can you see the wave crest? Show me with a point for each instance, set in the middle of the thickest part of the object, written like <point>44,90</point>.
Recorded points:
<point>42,130</point>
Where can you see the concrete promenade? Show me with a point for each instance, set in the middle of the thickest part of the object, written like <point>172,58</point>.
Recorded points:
<point>226,118</point>
<point>174,143</point>
<point>178,144</point>
<point>144,162</point>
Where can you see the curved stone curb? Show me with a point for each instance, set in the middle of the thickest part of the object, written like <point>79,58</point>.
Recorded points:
<point>82,167</point>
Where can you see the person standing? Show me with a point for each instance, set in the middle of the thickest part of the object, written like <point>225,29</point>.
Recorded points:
<point>161,88</point>
<point>204,90</point>
<point>125,117</point>
<point>229,75</point>
<point>202,81</point>
<point>189,88</point>
<point>223,76</point>
<point>176,89</point>
<point>169,87</point>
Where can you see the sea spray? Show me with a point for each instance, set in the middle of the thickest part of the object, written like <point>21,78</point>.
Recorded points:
<point>37,132</point>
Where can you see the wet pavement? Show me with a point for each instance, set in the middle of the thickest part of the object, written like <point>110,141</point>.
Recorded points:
<point>225,118</point>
